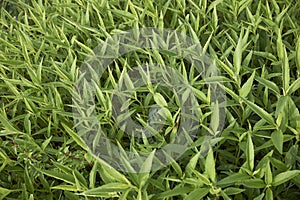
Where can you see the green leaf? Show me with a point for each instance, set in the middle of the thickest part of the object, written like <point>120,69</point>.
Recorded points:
<point>75,137</point>
<point>254,183</point>
<point>202,178</point>
<point>107,188</point>
<point>294,86</point>
<point>92,176</point>
<point>233,190</point>
<point>260,112</point>
<point>266,55</point>
<point>31,197</point>
<point>7,124</point>
<point>145,169</point>
<point>284,177</point>
<point>269,194</point>
<point>280,47</point>
<point>237,56</point>
<point>68,178</point>
<point>174,164</point>
<point>122,13</point>
<point>65,188</point>
<point>213,4</point>
<point>268,175</point>
<point>278,164</point>
<point>285,71</point>
<point>28,181</point>
<point>45,143</point>
<point>269,84</point>
<point>160,100</point>
<point>198,193</point>
<point>210,166</point>
<point>146,166</point>
<point>259,197</point>
<point>291,156</point>
<point>246,88</point>
<point>232,179</point>
<point>226,68</point>
<point>79,179</point>
<point>298,54</point>
<point>192,163</point>
<point>250,153</point>
<point>4,192</point>
<point>124,195</point>
<point>224,195</point>
<point>215,118</point>
<point>277,139</point>
<point>110,174</point>
<point>232,94</point>
<point>27,124</point>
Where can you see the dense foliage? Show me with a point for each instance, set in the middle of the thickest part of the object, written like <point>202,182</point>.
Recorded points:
<point>256,46</point>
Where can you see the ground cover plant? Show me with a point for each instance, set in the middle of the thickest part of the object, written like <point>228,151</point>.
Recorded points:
<point>256,47</point>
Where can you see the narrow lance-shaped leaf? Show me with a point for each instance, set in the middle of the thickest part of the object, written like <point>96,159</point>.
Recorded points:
<point>7,124</point>
<point>298,54</point>
<point>260,112</point>
<point>210,166</point>
<point>215,118</point>
<point>246,88</point>
<point>268,174</point>
<point>75,137</point>
<point>280,51</point>
<point>160,100</point>
<point>271,85</point>
<point>285,71</point>
<point>237,56</point>
<point>4,192</point>
<point>192,164</point>
<point>146,168</point>
<point>28,181</point>
<point>233,178</point>
<point>110,174</point>
<point>284,177</point>
<point>104,190</point>
<point>68,178</point>
<point>294,86</point>
<point>269,194</point>
<point>277,139</point>
<point>250,152</point>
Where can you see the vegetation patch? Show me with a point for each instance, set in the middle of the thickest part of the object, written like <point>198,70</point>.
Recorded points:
<point>256,47</point>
